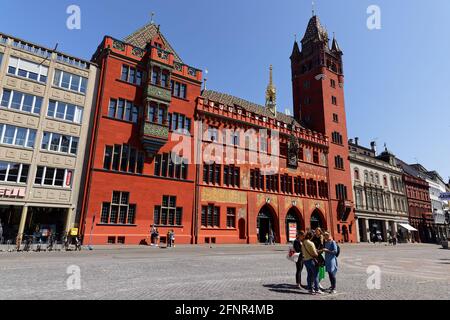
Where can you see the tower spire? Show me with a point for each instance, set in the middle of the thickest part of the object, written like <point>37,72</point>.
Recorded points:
<point>313,8</point>
<point>271,94</point>
<point>151,18</point>
<point>271,76</point>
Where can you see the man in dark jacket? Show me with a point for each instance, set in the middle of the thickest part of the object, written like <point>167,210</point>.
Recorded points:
<point>298,249</point>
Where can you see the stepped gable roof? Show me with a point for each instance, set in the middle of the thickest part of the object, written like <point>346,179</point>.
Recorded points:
<point>141,37</point>
<point>230,100</point>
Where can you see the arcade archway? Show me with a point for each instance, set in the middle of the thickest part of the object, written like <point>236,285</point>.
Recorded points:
<point>294,224</point>
<point>317,220</point>
<point>266,224</point>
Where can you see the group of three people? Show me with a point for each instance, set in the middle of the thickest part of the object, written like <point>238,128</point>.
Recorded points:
<point>316,250</point>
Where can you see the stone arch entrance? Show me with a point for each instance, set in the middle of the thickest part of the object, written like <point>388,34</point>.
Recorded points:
<point>294,224</point>
<point>318,220</point>
<point>266,223</point>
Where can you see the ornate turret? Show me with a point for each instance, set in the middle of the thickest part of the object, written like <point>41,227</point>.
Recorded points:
<point>335,46</point>
<point>271,95</point>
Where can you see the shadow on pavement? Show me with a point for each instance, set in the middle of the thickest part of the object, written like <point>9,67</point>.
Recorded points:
<point>285,288</point>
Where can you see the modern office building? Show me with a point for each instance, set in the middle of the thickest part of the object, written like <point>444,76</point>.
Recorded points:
<point>45,110</point>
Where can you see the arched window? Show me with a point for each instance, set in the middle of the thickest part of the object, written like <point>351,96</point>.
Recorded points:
<point>356,174</point>
<point>366,176</point>
<point>377,178</point>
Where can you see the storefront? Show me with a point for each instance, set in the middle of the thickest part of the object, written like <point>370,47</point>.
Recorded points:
<point>37,222</point>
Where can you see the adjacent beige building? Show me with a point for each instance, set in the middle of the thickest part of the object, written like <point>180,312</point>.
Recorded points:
<point>46,98</point>
<point>381,206</point>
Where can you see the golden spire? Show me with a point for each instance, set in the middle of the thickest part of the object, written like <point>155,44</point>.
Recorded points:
<point>271,94</point>
<point>271,78</point>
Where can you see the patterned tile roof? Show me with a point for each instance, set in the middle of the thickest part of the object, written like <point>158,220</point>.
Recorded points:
<point>315,31</point>
<point>141,37</point>
<point>230,100</point>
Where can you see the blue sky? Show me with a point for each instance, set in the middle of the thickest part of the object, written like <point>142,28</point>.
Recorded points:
<point>397,87</point>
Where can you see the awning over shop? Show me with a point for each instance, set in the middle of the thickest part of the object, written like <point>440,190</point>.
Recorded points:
<point>407,227</point>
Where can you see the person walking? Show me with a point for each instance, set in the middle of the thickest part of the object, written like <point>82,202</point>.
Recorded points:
<point>299,264</point>
<point>271,238</point>
<point>172,240</point>
<point>331,264</point>
<point>310,255</point>
<point>267,239</point>
<point>169,239</point>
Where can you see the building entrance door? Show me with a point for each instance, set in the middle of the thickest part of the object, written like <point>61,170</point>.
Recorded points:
<point>293,225</point>
<point>265,225</point>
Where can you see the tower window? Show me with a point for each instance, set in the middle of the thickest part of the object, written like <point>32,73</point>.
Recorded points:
<point>336,137</point>
<point>334,100</point>
<point>341,192</point>
<point>335,118</point>
<point>306,84</point>
<point>339,162</point>
<point>333,83</point>
<point>307,100</point>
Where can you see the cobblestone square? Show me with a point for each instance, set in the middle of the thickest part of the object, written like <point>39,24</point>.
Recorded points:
<point>222,272</point>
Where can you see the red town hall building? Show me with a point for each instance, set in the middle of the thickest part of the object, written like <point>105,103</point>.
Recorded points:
<point>149,100</point>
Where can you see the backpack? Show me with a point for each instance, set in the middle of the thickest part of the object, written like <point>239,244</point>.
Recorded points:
<point>338,250</point>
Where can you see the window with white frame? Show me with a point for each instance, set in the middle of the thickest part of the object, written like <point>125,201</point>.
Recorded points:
<point>59,143</point>
<point>65,111</point>
<point>70,81</point>
<point>27,69</point>
<point>17,100</point>
<point>53,177</point>
<point>17,136</point>
<point>14,172</point>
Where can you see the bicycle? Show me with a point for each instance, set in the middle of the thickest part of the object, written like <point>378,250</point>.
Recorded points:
<point>50,242</point>
<point>28,242</point>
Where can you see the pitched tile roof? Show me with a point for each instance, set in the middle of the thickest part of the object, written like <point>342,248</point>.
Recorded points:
<point>230,100</point>
<point>142,36</point>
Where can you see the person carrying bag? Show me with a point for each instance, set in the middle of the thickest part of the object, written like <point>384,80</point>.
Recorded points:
<point>311,261</point>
